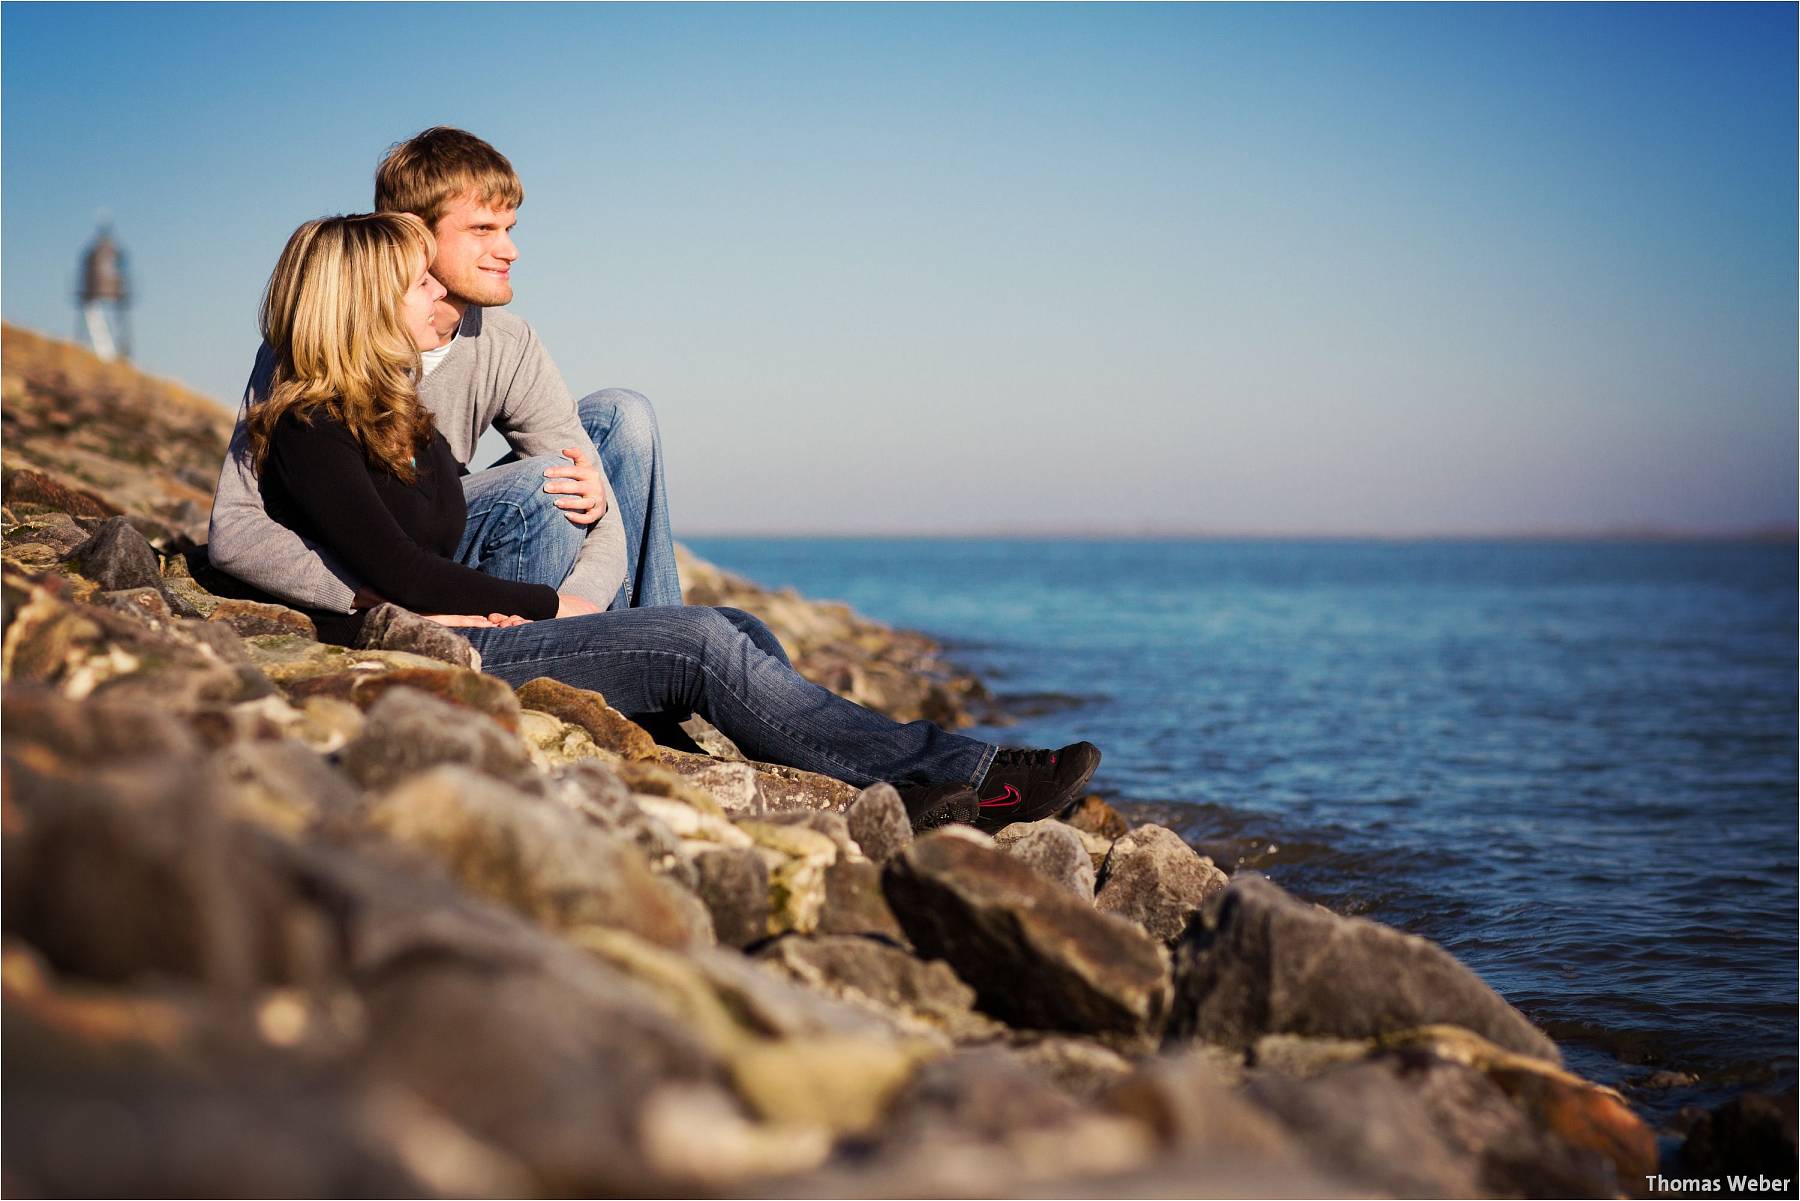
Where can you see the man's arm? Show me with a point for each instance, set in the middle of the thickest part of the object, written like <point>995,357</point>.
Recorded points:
<point>537,417</point>
<point>246,542</point>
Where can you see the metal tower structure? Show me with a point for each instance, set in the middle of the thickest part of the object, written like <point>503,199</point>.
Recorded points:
<point>104,298</point>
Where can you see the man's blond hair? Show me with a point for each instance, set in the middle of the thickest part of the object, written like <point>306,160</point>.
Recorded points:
<point>429,171</point>
<point>332,315</point>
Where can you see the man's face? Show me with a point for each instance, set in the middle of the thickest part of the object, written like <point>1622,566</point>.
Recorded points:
<point>475,252</point>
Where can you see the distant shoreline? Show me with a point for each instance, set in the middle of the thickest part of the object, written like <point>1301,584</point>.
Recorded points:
<point>1779,536</point>
<point>1775,534</point>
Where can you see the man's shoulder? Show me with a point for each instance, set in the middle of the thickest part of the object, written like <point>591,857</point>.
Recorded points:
<point>497,324</point>
<point>262,371</point>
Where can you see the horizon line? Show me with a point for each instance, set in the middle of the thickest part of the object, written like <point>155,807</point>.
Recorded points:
<point>1771,533</point>
<point>1758,534</point>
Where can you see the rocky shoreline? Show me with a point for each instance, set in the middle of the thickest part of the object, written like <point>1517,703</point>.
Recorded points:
<point>290,919</point>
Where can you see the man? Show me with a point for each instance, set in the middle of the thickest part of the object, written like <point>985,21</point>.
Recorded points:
<point>579,505</point>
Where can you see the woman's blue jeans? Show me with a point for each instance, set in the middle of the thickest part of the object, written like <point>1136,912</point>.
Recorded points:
<point>729,668</point>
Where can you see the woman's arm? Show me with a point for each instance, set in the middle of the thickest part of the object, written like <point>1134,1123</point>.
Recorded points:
<point>322,468</point>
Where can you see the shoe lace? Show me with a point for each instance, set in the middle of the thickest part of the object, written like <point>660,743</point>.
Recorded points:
<point>1021,757</point>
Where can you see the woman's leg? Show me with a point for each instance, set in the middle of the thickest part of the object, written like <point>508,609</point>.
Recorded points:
<point>699,660</point>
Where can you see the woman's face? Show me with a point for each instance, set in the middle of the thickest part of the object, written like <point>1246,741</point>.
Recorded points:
<point>417,306</point>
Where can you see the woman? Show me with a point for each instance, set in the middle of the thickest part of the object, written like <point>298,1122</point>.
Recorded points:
<point>347,457</point>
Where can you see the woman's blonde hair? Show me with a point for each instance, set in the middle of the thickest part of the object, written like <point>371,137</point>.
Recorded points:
<point>331,313</point>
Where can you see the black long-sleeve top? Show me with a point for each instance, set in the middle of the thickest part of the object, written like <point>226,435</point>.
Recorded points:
<point>397,538</point>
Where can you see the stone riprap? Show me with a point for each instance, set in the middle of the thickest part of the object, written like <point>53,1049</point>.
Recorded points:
<point>1260,962</point>
<point>1155,879</point>
<point>283,918</point>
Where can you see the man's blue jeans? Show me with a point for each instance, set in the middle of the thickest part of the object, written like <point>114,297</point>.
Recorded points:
<point>726,666</point>
<point>516,532</point>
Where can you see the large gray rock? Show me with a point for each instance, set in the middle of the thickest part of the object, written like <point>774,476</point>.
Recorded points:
<point>597,793</point>
<point>1417,1126</point>
<point>129,873</point>
<point>150,604</point>
<point>1155,879</point>
<point>1361,1124</point>
<point>283,786</point>
<point>1081,1067</point>
<point>133,658</point>
<point>609,729</point>
<point>863,971</point>
<point>879,823</point>
<point>831,825</point>
<point>1260,962</point>
<point>987,1092</point>
<point>734,883</point>
<point>56,530</point>
<point>855,904</point>
<point>367,676</point>
<point>391,628</point>
<point>1054,851</point>
<point>408,731</point>
<point>95,733</point>
<point>1037,955</point>
<point>985,1123</point>
<point>255,619</point>
<point>769,1004</point>
<point>1190,1104</point>
<point>704,1143</point>
<point>114,1117</point>
<point>453,1036</point>
<point>388,915</point>
<point>531,854</point>
<point>1300,1056</point>
<point>550,1062</point>
<point>116,556</point>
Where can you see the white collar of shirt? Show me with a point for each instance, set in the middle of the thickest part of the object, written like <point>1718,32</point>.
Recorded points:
<point>429,359</point>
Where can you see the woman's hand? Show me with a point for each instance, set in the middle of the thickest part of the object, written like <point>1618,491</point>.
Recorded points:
<point>493,621</point>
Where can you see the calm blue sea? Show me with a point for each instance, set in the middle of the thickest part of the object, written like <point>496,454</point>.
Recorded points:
<point>1572,764</point>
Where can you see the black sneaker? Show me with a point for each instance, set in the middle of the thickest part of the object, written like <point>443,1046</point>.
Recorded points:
<point>1026,786</point>
<point>933,805</point>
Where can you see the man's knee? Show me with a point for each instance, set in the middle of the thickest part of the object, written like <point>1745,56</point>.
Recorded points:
<point>620,420</point>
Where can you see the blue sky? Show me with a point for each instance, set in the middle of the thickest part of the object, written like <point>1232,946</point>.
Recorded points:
<point>1129,269</point>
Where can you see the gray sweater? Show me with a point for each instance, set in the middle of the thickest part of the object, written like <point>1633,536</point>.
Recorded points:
<point>497,373</point>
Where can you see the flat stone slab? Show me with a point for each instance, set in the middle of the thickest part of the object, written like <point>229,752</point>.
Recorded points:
<point>1036,954</point>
